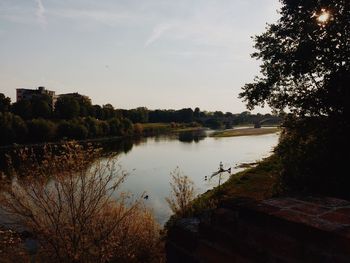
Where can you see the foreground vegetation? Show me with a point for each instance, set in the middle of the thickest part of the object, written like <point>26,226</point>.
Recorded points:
<point>76,212</point>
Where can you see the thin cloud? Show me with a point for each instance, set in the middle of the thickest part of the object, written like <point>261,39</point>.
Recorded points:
<point>40,14</point>
<point>158,31</point>
<point>104,17</point>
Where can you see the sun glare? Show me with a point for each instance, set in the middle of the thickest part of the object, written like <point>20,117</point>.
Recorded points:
<point>324,16</point>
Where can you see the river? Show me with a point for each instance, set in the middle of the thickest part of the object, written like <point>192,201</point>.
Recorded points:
<point>150,162</point>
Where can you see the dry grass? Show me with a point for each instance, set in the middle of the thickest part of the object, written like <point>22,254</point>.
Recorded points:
<point>245,132</point>
<point>77,214</point>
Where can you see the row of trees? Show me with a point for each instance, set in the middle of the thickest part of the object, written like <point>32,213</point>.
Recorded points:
<point>71,106</point>
<point>66,107</point>
<point>73,116</point>
<point>16,130</point>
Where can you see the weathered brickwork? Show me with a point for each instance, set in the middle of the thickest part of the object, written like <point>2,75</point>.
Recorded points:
<point>276,230</point>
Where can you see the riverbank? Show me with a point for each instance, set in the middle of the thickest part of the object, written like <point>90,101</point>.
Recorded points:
<point>244,132</point>
<point>256,183</point>
<point>148,129</point>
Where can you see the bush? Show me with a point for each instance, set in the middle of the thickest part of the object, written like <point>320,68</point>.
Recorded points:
<point>182,194</point>
<point>314,156</point>
<point>75,213</point>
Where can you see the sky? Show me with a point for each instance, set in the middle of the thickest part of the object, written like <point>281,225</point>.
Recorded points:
<point>161,54</point>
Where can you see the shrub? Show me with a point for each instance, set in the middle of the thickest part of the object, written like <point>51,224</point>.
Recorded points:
<point>77,215</point>
<point>314,156</point>
<point>182,194</point>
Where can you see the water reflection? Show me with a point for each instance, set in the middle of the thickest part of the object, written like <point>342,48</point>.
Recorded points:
<point>192,136</point>
<point>153,159</point>
<point>149,161</point>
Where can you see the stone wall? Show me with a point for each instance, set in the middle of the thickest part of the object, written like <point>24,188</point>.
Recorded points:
<point>275,230</point>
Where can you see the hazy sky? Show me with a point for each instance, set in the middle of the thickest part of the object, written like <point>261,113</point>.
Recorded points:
<point>153,53</point>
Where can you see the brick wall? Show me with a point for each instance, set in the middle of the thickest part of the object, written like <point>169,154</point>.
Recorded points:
<point>276,230</point>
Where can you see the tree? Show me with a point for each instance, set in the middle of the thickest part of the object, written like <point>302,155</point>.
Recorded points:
<point>71,130</point>
<point>5,103</point>
<point>22,108</point>
<point>41,130</point>
<point>139,114</point>
<point>115,127</point>
<point>306,62</point>
<point>196,113</point>
<point>93,127</point>
<point>12,128</point>
<point>41,109</point>
<point>108,111</point>
<point>185,115</point>
<point>97,112</point>
<point>306,69</point>
<point>67,107</point>
<point>84,105</point>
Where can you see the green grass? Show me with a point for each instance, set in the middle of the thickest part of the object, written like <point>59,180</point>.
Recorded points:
<point>244,132</point>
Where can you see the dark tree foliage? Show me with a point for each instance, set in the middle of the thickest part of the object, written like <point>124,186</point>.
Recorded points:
<point>214,123</point>
<point>41,109</point>
<point>71,130</point>
<point>185,115</point>
<point>108,112</point>
<point>12,128</point>
<point>85,106</point>
<point>41,130</point>
<point>138,115</point>
<point>196,113</point>
<point>314,155</point>
<point>22,108</point>
<point>5,103</point>
<point>97,112</point>
<point>306,69</point>
<point>306,61</point>
<point>67,108</point>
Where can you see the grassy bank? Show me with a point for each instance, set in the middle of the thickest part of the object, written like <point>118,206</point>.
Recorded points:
<point>257,183</point>
<point>244,132</point>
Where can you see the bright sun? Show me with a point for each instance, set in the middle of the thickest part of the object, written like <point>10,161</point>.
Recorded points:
<point>324,16</point>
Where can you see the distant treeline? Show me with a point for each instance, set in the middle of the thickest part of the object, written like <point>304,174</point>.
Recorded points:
<point>74,117</point>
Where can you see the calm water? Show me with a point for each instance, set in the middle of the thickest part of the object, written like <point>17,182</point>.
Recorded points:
<point>150,163</point>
